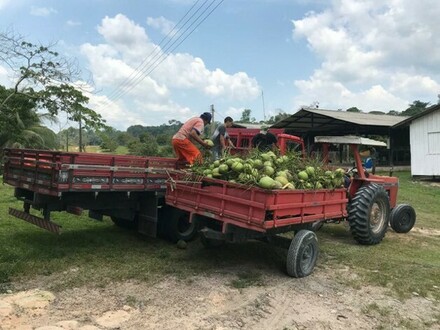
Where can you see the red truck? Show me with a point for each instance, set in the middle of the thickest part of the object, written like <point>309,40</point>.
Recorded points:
<point>144,193</point>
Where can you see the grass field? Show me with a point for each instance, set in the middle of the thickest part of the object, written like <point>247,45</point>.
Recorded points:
<point>95,253</point>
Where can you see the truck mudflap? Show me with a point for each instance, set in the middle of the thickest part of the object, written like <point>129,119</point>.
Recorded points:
<point>40,222</point>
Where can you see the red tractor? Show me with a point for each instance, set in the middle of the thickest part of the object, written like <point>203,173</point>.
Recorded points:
<point>371,196</point>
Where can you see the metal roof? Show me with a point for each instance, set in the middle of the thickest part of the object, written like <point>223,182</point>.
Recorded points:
<point>349,139</point>
<point>308,120</point>
<point>409,120</point>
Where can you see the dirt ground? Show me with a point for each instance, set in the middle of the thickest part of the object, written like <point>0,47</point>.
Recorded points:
<point>280,302</point>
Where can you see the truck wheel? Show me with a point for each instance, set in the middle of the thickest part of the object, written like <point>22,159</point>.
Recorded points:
<point>402,218</point>
<point>178,227</point>
<point>368,214</point>
<point>302,254</point>
<point>124,223</point>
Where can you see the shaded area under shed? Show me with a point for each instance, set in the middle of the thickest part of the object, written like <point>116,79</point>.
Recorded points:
<point>310,122</point>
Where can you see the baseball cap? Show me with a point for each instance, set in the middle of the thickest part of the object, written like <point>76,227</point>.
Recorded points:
<point>207,116</point>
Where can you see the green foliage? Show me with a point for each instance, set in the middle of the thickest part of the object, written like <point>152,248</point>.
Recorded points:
<point>245,116</point>
<point>45,80</point>
<point>280,116</point>
<point>20,125</point>
<point>415,108</point>
<point>108,144</point>
<point>145,146</point>
<point>353,109</point>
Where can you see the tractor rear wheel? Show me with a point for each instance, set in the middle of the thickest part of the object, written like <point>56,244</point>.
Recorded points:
<point>368,214</point>
<point>302,254</point>
<point>402,218</point>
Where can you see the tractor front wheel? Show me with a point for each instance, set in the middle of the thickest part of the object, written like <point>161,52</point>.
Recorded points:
<point>402,218</point>
<point>368,214</point>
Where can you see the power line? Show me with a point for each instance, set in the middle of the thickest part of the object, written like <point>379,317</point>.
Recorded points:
<point>146,67</point>
<point>148,58</point>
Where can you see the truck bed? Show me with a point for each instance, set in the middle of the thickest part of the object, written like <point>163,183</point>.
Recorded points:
<point>255,208</point>
<point>55,172</point>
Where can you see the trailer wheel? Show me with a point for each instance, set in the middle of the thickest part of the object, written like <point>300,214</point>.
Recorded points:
<point>302,254</point>
<point>124,223</point>
<point>178,227</point>
<point>368,214</point>
<point>316,226</point>
<point>402,218</point>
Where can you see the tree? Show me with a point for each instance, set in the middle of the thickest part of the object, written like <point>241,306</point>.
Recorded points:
<point>20,126</point>
<point>280,116</point>
<point>415,108</point>
<point>353,109</point>
<point>245,116</point>
<point>393,113</point>
<point>45,79</point>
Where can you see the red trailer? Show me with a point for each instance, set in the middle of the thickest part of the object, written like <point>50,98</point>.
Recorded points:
<point>229,212</point>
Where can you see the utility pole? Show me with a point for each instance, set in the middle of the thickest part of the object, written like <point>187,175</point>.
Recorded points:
<point>264,108</point>
<point>212,119</point>
<point>80,135</point>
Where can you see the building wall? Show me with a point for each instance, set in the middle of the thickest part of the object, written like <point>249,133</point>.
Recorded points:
<point>425,145</point>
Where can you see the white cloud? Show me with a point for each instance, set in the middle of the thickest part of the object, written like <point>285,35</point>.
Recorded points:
<point>42,11</point>
<point>371,52</point>
<point>4,3</point>
<point>162,24</point>
<point>5,75</point>
<point>73,23</point>
<point>152,100</point>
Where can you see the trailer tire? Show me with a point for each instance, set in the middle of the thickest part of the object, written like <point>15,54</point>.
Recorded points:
<point>124,223</point>
<point>316,226</point>
<point>368,214</point>
<point>402,218</point>
<point>177,226</point>
<point>302,254</point>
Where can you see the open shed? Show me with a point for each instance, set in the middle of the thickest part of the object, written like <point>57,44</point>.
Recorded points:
<point>424,131</point>
<point>310,122</point>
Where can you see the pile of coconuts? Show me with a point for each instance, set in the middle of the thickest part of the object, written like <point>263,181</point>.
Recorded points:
<point>271,171</point>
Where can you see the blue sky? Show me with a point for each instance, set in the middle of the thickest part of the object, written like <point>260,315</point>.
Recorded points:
<point>341,53</point>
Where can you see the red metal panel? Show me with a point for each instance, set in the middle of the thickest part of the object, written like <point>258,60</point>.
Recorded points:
<point>255,208</point>
<point>42,170</point>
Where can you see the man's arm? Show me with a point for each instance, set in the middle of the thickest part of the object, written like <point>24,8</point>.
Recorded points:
<point>196,137</point>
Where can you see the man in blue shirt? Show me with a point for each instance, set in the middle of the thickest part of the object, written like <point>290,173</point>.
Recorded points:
<point>221,139</point>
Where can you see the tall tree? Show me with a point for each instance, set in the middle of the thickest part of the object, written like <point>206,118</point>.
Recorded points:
<point>45,78</point>
<point>245,116</point>
<point>415,108</point>
<point>21,126</point>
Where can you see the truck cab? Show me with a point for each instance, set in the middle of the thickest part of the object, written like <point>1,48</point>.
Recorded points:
<point>242,139</point>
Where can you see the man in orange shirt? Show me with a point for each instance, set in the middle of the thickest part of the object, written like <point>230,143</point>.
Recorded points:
<point>191,130</point>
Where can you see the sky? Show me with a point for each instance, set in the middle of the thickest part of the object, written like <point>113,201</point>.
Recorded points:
<point>146,62</point>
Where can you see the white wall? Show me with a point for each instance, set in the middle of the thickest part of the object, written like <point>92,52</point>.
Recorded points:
<point>425,145</point>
